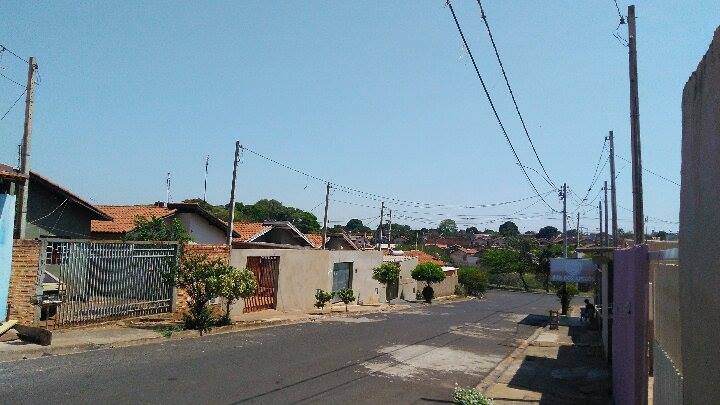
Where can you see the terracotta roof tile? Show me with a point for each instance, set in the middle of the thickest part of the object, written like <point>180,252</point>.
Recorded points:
<point>424,257</point>
<point>124,217</point>
<point>315,239</point>
<point>248,229</point>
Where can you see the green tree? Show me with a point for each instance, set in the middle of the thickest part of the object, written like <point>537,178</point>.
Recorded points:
<point>235,284</point>
<point>273,210</point>
<point>447,227</point>
<point>474,279</point>
<point>322,297</point>
<point>544,254</point>
<point>201,278</point>
<point>509,229</point>
<point>356,226</point>
<point>428,273</point>
<point>472,230</point>
<point>526,248</point>
<point>158,229</point>
<point>565,293</point>
<point>346,295</point>
<point>386,273</point>
<point>548,232</point>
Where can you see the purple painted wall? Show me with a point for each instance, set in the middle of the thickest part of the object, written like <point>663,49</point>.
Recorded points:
<point>630,316</point>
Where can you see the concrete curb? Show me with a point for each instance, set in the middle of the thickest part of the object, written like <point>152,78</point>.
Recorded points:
<point>494,375</point>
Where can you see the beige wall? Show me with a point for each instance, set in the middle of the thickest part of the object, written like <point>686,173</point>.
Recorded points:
<point>445,288</point>
<point>201,230</point>
<point>303,271</point>
<point>699,277</point>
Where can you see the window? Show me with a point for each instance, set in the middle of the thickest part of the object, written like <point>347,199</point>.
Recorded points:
<point>56,253</point>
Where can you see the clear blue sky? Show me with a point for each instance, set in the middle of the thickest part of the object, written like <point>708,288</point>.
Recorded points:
<point>377,95</point>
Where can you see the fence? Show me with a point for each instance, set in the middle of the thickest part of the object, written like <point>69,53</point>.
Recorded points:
<point>666,343</point>
<point>84,281</point>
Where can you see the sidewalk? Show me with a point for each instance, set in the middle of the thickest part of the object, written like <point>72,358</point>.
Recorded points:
<point>159,328</point>
<point>563,366</point>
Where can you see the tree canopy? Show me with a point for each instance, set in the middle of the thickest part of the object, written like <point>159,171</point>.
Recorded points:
<point>509,229</point>
<point>157,229</point>
<point>548,232</point>
<point>428,273</point>
<point>447,227</point>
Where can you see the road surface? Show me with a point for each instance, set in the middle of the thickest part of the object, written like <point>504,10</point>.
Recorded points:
<point>407,357</point>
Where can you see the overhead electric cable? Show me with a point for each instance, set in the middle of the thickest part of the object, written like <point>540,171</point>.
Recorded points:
<point>512,95</point>
<point>12,106</point>
<point>492,105</point>
<point>653,173</point>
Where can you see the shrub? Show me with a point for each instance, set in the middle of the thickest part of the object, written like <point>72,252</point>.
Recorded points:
<point>470,396</point>
<point>346,295</point>
<point>386,273</point>
<point>566,292</point>
<point>322,298</point>
<point>475,280</point>
<point>235,284</point>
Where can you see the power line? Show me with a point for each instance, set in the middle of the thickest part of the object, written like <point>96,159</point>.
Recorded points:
<point>13,105</point>
<point>19,84</point>
<point>492,105</point>
<point>653,173</point>
<point>512,95</point>
<point>5,48</point>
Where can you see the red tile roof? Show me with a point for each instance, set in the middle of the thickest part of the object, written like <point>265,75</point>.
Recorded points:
<point>315,239</point>
<point>248,229</point>
<point>424,257</point>
<point>123,217</point>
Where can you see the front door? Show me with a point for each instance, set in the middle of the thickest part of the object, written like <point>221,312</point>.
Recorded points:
<point>342,277</point>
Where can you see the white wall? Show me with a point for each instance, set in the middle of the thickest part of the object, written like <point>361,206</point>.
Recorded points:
<point>201,230</point>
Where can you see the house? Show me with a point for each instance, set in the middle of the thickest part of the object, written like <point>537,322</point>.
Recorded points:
<point>424,257</point>
<point>272,235</point>
<point>406,287</point>
<point>461,256</point>
<point>204,228</point>
<point>336,241</point>
<point>53,210</point>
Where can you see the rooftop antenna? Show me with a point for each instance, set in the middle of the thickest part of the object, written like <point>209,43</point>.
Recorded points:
<point>207,162</point>
<point>167,190</point>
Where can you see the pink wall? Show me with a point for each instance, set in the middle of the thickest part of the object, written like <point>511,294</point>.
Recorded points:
<point>630,315</point>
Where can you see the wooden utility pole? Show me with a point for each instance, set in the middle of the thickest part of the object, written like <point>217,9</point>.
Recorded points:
<point>607,235</point>
<point>577,231</point>
<point>21,216</point>
<point>167,189</point>
<point>613,200</point>
<point>232,193</point>
<point>382,216</point>
<point>638,216</point>
<point>207,162</point>
<point>325,218</point>
<point>564,197</point>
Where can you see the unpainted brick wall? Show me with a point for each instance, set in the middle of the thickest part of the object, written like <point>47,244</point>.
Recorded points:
<point>213,252</point>
<point>23,280</point>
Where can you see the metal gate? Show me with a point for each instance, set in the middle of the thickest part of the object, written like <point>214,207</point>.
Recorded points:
<point>266,270</point>
<point>342,277</point>
<point>84,281</point>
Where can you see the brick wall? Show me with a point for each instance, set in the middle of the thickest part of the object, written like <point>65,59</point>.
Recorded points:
<point>23,280</point>
<point>212,252</point>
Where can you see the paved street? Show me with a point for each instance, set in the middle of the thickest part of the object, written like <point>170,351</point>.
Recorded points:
<point>412,356</point>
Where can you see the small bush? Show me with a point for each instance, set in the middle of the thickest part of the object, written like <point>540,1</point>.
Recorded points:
<point>475,280</point>
<point>167,331</point>
<point>565,293</point>
<point>386,273</point>
<point>322,298</point>
<point>470,396</point>
<point>200,319</point>
<point>346,295</point>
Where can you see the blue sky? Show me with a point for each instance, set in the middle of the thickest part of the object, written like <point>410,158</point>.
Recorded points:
<point>379,96</point>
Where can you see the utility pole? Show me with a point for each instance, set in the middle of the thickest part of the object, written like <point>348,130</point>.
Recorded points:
<point>607,235</point>
<point>21,216</point>
<point>601,239</point>
<point>577,230</point>
<point>232,193</point>
<point>167,189</point>
<point>417,235</point>
<point>389,229</point>
<point>327,204</point>
<point>613,199</point>
<point>638,216</point>
<point>564,197</point>
<point>207,162</point>
<point>382,216</point>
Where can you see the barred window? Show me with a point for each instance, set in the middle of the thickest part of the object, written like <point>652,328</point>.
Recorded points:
<point>56,253</point>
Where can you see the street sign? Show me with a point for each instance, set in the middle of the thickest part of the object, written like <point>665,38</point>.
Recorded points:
<point>572,270</point>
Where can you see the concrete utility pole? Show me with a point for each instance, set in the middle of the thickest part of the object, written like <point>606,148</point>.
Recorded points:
<point>417,235</point>
<point>21,216</point>
<point>564,197</point>
<point>207,162</point>
<point>601,239</point>
<point>167,189</point>
<point>389,228</point>
<point>613,199</point>
<point>382,216</point>
<point>325,219</point>
<point>607,235</point>
<point>232,193</point>
<point>638,216</point>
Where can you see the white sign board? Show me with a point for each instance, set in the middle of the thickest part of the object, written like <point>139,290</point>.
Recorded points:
<point>572,270</point>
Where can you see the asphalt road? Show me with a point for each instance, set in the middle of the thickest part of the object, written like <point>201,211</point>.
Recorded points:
<point>407,357</point>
